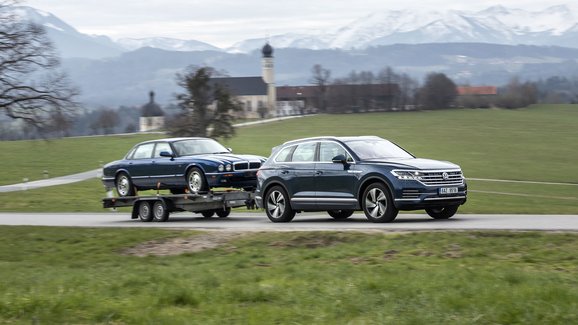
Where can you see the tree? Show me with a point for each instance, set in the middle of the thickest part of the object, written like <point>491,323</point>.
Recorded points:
<point>206,106</point>
<point>320,78</point>
<point>31,86</point>
<point>438,91</point>
<point>516,94</point>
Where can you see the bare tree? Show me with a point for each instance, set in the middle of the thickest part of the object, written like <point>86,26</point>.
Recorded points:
<point>31,86</point>
<point>438,91</point>
<point>320,78</point>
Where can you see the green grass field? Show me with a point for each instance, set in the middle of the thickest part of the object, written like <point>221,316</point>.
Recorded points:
<point>56,275</point>
<point>536,144</point>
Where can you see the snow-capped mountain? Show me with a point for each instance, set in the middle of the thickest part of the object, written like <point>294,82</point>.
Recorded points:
<point>165,43</point>
<point>68,41</point>
<point>556,25</point>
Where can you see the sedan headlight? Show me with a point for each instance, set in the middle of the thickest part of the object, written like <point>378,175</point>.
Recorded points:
<point>407,174</point>
<point>228,168</point>
<point>221,168</point>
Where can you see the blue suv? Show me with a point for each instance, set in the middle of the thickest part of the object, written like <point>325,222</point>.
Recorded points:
<point>343,174</point>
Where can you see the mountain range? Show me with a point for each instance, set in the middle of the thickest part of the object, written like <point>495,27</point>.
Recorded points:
<point>556,25</point>
<point>471,47</point>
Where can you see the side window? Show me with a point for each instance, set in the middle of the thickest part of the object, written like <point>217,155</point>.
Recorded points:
<point>285,154</point>
<point>144,151</point>
<point>304,152</point>
<point>328,150</point>
<point>160,147</point>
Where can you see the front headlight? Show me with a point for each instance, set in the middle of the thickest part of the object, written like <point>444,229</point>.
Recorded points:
<point>228,168</point>
<point>407,174</point>
<point>221,168</point>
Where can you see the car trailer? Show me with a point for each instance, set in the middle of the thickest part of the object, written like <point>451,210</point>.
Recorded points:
<point>158,207</point>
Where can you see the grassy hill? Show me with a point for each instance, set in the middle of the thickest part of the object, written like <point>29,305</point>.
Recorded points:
<point>532,144</point>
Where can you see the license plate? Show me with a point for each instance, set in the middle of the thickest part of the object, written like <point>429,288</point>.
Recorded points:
<point>448,190</point>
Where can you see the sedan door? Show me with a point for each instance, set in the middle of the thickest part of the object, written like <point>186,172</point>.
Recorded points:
<point>166,170</point>
<point>335,182</point>
<point>140,165</point>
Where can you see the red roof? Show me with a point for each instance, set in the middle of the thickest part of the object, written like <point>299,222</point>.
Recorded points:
<point>481,90</point>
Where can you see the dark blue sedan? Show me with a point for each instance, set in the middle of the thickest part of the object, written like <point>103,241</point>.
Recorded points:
<point>343,174</point>
<point>182,165</point>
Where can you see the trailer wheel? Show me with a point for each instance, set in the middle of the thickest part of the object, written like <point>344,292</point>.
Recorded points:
<point>145,212</point>
<point>160,211</point>
<point>208,213</point>
<point>223,213</point>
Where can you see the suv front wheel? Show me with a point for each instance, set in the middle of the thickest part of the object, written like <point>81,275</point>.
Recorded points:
<point>443,212</point>
<point>377,204</point>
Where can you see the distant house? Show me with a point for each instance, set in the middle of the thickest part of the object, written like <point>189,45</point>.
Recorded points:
<point>292,100</point>
<point>152,116</point>
<point>251,92</point>
<point>477,91</point>
<point>477,96</point>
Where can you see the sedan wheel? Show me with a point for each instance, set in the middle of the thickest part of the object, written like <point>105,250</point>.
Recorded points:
<point>124,185</point>
<point>377,204</point>
<point>277,205</point>
<point>196,181</point>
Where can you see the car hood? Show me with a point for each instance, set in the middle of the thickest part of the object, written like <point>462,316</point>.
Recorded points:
<point>224,158</point>
<point>415,163</point>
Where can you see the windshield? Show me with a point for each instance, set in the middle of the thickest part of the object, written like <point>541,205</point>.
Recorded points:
<point>377,149</point>
<point>198,147</point>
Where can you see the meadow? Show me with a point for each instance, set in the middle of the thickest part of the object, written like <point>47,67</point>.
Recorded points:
<point>56,275</point>
<point>538,144</point>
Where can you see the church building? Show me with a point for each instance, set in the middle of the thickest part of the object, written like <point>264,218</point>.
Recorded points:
<point>256,94</point>
<point>152,116</point>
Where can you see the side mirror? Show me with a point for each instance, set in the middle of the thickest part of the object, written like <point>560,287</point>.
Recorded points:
<point>230,149</point>
<point>166,154</point>
<point>339,159</point>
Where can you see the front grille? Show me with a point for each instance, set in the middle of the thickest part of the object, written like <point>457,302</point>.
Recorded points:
<point>410,194</point>
<point>246,165</point>
<point>437,178</point>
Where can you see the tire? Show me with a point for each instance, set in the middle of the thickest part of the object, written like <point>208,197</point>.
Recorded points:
<point>124,186</point>
<point>340,214</point>
<point>196,182</point>
<point>160,211</point>
<point>443,212</point>
<point>277,205</point>
<point>208,213</point>
<point>223,213</point>
<point>145,212</point>
<point>377,204</point>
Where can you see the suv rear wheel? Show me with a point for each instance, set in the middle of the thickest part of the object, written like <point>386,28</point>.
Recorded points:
<point>277,205</point>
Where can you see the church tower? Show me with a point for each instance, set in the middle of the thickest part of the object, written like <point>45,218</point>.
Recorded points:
<point>269,78</point>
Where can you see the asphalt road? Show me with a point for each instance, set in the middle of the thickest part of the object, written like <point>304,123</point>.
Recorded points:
<point>302,222</point>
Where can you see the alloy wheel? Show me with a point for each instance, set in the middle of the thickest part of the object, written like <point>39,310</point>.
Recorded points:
<point>376,202</point>
<point>276,204</point>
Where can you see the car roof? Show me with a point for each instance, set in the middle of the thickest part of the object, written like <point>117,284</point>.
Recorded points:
<point>175,139</point>
<point>342,139</point>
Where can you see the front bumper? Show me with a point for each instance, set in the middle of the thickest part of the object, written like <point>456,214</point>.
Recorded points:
<point>233,179</point>
<point>422,197</point>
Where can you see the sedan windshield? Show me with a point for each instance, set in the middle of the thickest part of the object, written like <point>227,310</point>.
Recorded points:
<point>198,147</point>
<point>377,149</point>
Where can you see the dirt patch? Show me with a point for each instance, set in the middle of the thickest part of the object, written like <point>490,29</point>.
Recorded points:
<point>178,246</point>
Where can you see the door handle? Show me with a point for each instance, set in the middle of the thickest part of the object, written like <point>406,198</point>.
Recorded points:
<point>285,172</point>
<point>318,172</point>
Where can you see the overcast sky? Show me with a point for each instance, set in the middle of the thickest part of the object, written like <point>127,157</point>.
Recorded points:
<point>225,22</point>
